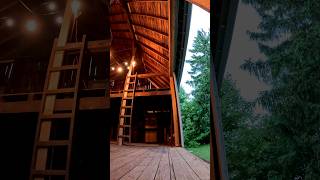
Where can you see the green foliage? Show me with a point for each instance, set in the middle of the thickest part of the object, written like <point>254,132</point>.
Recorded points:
<point>195,109</point>
<point>286,144</point>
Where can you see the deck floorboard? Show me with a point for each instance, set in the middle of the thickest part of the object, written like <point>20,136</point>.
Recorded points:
<point>156,163</point>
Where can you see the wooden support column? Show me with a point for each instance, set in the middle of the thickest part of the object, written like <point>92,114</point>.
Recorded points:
<point>52,83</point>
<point>175,114</point>
<point>179,111</point>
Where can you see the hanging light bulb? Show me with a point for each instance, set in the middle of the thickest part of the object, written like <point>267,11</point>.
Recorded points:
<point>120,69</point>
<point>133,63</point>
<point>9,22</point>
<point>128,67</point>
<point>52,6</point>
<point>59,20</point>
<point>126,63</point>
<point>112,68</point>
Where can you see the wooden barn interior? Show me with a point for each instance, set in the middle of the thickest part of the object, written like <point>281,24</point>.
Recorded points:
<point>89,89</point>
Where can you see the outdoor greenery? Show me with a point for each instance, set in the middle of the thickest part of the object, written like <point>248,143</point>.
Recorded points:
<point>202,151</point>
<point>284,143</point>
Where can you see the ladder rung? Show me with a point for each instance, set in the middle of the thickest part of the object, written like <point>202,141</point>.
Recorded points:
<point>70,46</point>
<point>56,116</point>
<point>128,90</point>
<point>50,172</point>
<point>128,98</point>
<point>132,76</point>
<point>53,143</point>
<point>58,91</point>
<point>124,126</point>
<point>124,136</point>
<point>124,116</point>
<point>66,67</point>
<point>124,107</point>
<point>130,82</point>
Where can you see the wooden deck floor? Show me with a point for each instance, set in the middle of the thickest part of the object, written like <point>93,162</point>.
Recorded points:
<point>157,162</point>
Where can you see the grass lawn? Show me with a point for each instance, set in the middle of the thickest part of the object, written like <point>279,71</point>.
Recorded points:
<point>202,151</point>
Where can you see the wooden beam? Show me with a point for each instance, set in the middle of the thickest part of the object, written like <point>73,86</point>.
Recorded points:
<point>149,16</point>
<point>160,63</point>
<point>155,51</point>
<point>163,45</point>
<point>170,37</point>
<point>179,110</point>
<point>86,103</point>
<point>153,83</point>
<point>6,61</point>
<point>149,75</point>
<point>150,29</point>
<point>204,4</point>
<point>147,63</point>
<point>174,113</point>
<point>126,9</point>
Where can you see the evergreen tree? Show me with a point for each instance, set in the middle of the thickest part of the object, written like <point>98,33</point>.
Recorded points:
<point>291,134</point>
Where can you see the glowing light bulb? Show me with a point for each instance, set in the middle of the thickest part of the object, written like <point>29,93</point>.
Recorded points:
<point>9,22</point>
<point>59,20</point>
<point>52,6</point>
<point>133,63</point>
<point>112,68</point>
<point>128,68</point>
<point>120,69</point>
<point>31,25</point>
<point>126,63</point>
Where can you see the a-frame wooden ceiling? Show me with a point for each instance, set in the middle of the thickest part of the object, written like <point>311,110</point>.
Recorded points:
<point>145,23</point>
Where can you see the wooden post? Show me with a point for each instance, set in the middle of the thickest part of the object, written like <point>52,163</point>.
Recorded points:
<point>174,112</point>
<point>179,110</point>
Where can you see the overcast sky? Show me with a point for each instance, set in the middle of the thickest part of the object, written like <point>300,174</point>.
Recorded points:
<point>200,19</point>
<point>241,48</point>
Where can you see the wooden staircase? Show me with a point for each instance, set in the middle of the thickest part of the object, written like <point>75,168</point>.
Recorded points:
<point>126,108</point>
<point>53,139</point>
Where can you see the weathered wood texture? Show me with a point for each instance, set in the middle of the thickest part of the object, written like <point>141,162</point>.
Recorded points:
<point>155,162</point>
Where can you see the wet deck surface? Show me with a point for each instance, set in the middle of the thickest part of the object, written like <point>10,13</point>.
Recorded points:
<point>156,162</point>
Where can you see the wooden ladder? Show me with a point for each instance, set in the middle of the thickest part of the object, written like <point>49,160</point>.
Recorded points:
<point>126,109</point>
<point>53,140</point>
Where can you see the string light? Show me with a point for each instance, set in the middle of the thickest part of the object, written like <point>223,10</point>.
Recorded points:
<point>128,68</point>
<point>126,63</point>
<point>112,68</point>
<point>52,6</point>
<point>59,20</point>
<point>120,69</point>
<point>9,22</point>
<point>133,63</point>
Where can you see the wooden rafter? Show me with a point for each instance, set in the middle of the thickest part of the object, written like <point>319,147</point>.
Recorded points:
<point>153,83</point>
<point>149,16</point>
<point>149,75</point>
<point>156,67</point>
<point>150,29</point>
<point>152,49</point>
<point>163,45</point>
<point>157,62</point>
<point>162,61</point>
<point>127,11</point>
